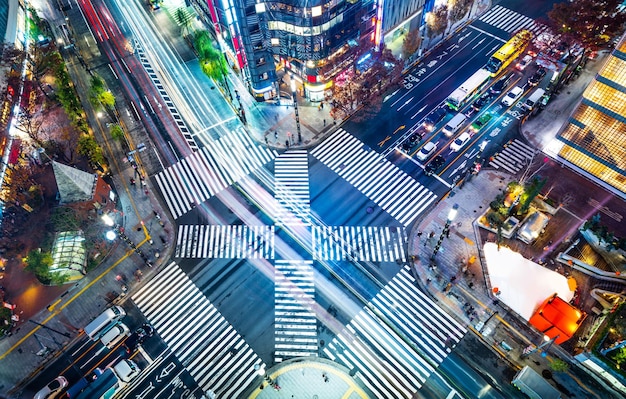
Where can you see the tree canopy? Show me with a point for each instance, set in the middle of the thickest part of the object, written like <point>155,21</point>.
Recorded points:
<point>591,23</point>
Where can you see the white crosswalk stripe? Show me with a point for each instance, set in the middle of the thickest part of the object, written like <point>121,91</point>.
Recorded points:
<point>215,355</point>
<point>383,360</point>
<point>225,241</point>
<point>514,156</point>
<point>291,188</point>
<point>361,243</point>
<point>374,176</point>
<point>511,21</point>
<point>205,173</point>
<point>295,322</point>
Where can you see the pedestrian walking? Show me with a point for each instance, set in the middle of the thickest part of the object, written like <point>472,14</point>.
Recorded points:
<point>419,233</point>
<point>324,122</point>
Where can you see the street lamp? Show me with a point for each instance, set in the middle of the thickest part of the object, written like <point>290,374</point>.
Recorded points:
<point>295,107</point>
<point>446,229</point>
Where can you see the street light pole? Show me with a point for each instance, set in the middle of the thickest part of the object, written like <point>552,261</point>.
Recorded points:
<point>295,107</point>
<point>446,229</point>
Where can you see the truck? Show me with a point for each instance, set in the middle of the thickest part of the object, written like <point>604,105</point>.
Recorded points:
<point>104,387</point>
<point>534,385</point>
<point>104,322</point>
<point>110,381</point>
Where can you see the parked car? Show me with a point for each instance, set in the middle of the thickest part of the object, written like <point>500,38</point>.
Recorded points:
<point>524,62</point>
<point>460,141</point>
<point>435,117</point>
<point>512,96</point>
<point>138,337</point>
<point>53,389</point>
<point>482,101</point>
<point>481,122</point>
<point>501,84</point>
<point>434,165</point>
<point>537,77</point>
<point>427,151</point>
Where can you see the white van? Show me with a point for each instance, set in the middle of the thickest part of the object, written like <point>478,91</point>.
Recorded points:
<point>533,226</point>
<point>104,322</point>
<point>534,99</point>
<point>454,125</point>
<point>126,370</point>
<point>115,335</point>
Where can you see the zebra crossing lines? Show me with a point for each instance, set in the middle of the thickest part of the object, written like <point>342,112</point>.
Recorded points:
<point>377,351</point>
<point>213,353</point>
<point>418,317</point>
<point>374,176</point>
<point>291,188</point>
<point>383,362</point>
<point>362,243</point>
<point>511,21</point>
<point>205,173</point>
<point>295,322</point>
<point>182,126</point>
<point>514,156</point>
<point>221,241</point>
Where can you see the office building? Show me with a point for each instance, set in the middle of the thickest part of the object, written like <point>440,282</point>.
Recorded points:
<point>594,137</point>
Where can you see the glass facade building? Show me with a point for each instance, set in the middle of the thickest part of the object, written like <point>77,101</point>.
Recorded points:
<point>261,36</point>
<point>594,137</point>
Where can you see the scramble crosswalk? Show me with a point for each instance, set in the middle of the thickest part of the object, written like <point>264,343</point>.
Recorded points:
<point>514,156</point>
<point>295,327</point>
<point>291,188</point>
<point>511,21</point>
<point>225,241</point>
<point>215,355</point>
<point>360,243</point>
<point>213,168</point>
<point>374,176</point>
<point>395,362</point>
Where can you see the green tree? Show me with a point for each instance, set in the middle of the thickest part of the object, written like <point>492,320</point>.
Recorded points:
<point>88,147</point>
<point>117,133</point>
<point>559,365</point>
<point>38,262</point>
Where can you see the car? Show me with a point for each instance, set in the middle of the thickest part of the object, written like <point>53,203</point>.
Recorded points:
<point>512,96</point>
<point>435,117</point>
<point>501,84</point>
<point>524,62</point>
<point>427,151</point>
<point>435,164</point>
<point>138,337</point>
<point>112,337</point>
<point>53,389</point>
<point>481,122</point>
<point>415,138</point>
<point>482,101</point>
<point>537,77</point>
<point>460,141</point>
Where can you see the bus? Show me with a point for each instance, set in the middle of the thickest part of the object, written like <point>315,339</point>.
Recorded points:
<point>508,52</point>
<point>466,92</point>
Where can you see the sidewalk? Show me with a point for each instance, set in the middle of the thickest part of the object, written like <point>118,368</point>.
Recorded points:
<point>456,275</point>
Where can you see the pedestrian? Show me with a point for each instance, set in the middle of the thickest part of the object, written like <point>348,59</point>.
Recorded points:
<point>276,117</point>
<point>431,234</point>
<point>419,233</point>
<point>324,122</point>
<point>276,133</point>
